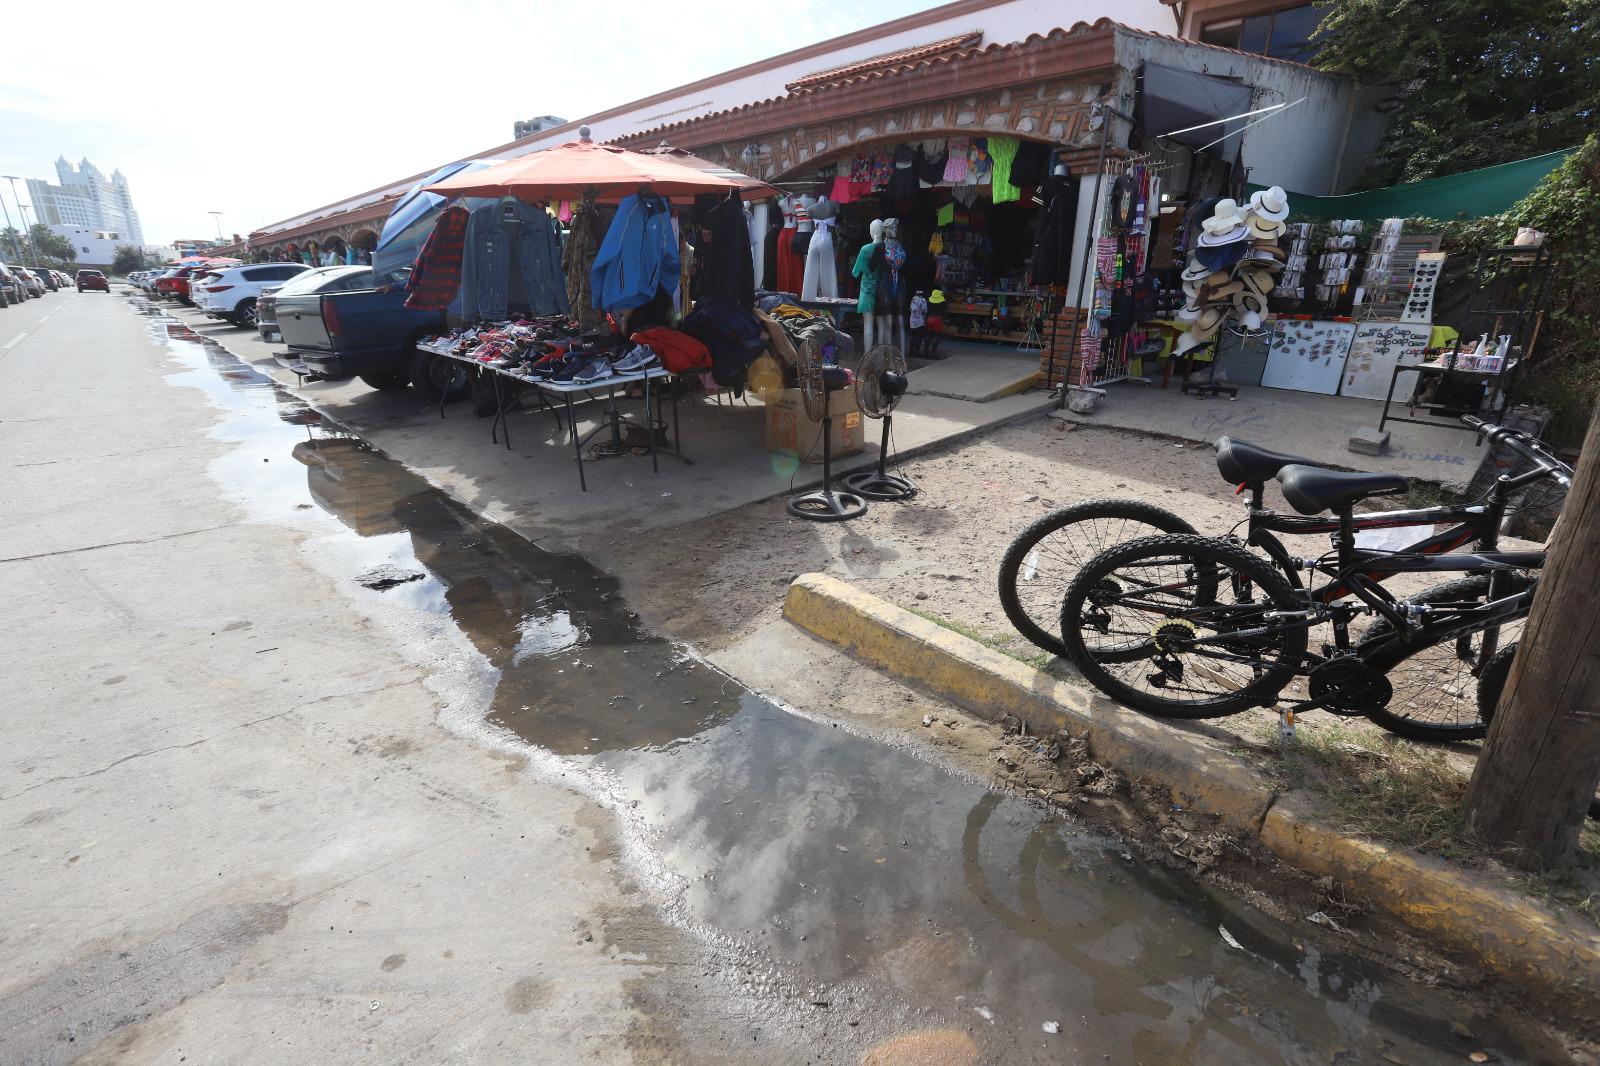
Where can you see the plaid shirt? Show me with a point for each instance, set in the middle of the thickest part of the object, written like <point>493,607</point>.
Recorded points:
<point>436,277</point>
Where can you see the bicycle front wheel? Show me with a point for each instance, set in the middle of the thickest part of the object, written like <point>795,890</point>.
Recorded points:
<point>1047,555</point>
<point>1436,686</point>
<point>1178,627</point>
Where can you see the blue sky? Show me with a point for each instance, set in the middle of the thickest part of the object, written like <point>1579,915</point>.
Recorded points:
<point>262,110</point>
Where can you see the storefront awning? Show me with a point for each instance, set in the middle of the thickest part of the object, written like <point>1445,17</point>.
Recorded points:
<point>1470,194</point>
<point>1174,99</point>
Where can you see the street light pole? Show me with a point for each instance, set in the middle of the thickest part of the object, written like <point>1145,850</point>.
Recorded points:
<point>217,215</point>
<point>12,178</point>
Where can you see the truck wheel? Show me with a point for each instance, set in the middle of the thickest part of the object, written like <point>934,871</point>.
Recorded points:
<point>386,381</point>
<point>434,377</point>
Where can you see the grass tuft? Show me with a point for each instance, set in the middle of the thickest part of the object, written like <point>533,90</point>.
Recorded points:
<point>1005,644</point>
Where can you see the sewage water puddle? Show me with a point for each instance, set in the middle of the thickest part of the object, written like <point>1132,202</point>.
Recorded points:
<point>851,869</point>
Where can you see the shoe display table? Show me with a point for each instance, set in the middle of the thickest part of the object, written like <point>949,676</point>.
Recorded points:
<point>562,399</point>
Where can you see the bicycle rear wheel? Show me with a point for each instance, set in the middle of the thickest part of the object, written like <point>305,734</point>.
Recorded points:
<point>1047,555</point>
<point>1176,626</point>
<point>1436,686</point>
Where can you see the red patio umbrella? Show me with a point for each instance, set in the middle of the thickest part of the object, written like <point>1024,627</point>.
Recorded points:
<point>749,188</point>
<point>577,169</point>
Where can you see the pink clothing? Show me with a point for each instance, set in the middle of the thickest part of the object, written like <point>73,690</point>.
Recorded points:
<point>955,168</point>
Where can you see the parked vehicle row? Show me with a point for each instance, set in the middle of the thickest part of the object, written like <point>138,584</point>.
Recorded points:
<point>19,283</point>
<point>232,293</point>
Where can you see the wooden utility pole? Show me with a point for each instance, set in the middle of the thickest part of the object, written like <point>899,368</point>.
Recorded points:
<point>1540,765</point>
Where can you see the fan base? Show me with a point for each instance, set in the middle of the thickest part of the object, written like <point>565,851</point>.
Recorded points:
<point>827,505</point>
<point>876,485</point>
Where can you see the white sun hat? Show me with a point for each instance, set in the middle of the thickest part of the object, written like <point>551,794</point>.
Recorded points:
<point>1271,204</point>
<point>1225,217</point>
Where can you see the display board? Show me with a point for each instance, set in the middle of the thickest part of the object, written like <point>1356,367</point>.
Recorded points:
<point>1377,348</point>
<point>1241,358</point>
<point>1307,355</point>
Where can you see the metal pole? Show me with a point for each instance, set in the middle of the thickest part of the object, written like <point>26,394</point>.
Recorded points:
<point>216,216</point>
<point>12,178</point>
<point>14,249</point>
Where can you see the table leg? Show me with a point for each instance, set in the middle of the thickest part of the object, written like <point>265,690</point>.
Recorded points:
<point>444,395</point>
<point>650,428</point>
<point>577,448</point>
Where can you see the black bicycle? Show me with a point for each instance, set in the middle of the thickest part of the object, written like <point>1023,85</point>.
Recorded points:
<point>1191,627</point>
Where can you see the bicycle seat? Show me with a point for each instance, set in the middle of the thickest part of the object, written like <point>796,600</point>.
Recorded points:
<point>1243,463</point>
<point>1312,490</point>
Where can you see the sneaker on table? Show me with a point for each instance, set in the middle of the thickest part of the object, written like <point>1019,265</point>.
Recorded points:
<point>642,357</point>
<point>594,368</point>
<point>570,366</point>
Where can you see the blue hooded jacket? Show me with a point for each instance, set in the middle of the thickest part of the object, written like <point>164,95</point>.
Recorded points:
<point>638,256</point>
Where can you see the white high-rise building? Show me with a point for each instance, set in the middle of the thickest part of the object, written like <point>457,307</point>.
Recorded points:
<point>86,198</point>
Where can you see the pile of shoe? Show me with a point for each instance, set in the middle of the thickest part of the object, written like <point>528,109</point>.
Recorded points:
<point>590,361</point>
<point>551,349</point>
<point>1231,267</point>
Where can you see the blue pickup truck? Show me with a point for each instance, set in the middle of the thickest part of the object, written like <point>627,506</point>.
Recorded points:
<point>371,334</point>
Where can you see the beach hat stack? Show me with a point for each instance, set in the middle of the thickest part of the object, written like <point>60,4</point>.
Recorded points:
<point>1232,266</point>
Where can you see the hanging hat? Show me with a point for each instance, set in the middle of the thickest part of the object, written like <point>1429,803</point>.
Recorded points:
<point>1260,282</point>
<point>1265,228</point>
<point>1195,271</point>
<point>1223,256</point>
<point>936,297</point>
<point>1221,294</point>
<point>1210,318</point>
<point>1188,341</point>
<point>1191,289</point>
<point>1252,303</point>
<point>1224,218</point>
<point>1210,239</point>
<point>1271,204</point>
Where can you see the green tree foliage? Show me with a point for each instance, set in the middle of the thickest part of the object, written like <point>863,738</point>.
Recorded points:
<point>1472,82</point>
<point>1563,373</point>
<point>127,259</point>
<point>50,246</point>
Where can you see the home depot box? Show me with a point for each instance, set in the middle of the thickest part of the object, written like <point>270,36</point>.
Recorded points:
<point>790,432</point>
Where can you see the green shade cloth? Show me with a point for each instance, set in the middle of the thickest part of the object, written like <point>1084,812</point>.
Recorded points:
<point>1470,194</point>
<point>947,214</point>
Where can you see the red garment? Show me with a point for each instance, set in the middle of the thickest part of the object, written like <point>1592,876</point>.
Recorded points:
<point>679,352</point>
<point>436,277</point>
<point>787,281</point>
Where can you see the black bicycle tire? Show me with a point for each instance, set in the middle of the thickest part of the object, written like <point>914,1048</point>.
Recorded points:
<point>1388,656</point>
<point>1491,683</point>
<point>1267,580</point>
<point>1016,555</point>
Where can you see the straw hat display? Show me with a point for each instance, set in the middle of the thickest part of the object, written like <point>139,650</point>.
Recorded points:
<point>1231,266</point>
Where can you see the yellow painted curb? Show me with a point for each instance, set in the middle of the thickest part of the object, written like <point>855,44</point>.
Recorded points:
<point>1505,932</point>
<point>1502,931</point>
<point>991,685</point>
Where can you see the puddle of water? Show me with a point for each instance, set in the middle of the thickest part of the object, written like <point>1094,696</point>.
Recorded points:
<point>846,870</point>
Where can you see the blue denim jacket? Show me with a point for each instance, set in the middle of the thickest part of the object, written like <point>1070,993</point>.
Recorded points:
<point>498,232</point>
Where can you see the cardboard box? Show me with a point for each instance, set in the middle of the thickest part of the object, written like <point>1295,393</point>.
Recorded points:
<point>789,430</point>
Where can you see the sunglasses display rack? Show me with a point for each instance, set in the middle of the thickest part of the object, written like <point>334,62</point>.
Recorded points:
<point>1396,282</point>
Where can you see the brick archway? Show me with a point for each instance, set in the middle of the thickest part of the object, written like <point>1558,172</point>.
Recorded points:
<point>1054,112</point>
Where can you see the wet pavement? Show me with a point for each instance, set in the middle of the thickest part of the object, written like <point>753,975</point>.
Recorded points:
<point>845,881</point>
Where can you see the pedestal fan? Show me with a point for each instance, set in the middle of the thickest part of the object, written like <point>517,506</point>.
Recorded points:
<point>822,504</point>
<point>880,383</point>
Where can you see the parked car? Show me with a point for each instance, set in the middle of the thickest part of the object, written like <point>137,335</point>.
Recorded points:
<point>148,281</point>
<point>31,284</point>
<point>320,279</point>
<point>175,286</point>
<point>93,280</point>
<point>10,288</point>
<point>232,293</point>
<point>46,278</point>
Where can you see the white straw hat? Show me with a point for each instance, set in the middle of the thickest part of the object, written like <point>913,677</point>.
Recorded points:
<point>1270,203</point>
<point>1224,217</point>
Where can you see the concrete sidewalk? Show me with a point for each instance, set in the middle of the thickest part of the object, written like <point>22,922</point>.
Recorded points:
<point>534,485</point>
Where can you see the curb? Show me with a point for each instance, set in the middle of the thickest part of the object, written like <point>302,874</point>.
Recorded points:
<point>991,685</point>
<point>1506,934</point>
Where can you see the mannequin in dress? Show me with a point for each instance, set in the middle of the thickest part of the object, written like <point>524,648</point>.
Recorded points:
<point>894,299</point>
<point>821,276</point>
<point>866,269</point>
<point>784,282</point>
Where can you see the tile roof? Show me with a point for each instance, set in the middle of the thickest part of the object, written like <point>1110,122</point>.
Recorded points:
<point>824,79</point>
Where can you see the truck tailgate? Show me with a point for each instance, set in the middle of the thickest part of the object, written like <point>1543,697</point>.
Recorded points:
<point>300,322</point>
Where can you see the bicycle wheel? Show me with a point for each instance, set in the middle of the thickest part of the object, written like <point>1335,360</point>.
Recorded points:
<point>1044,558</point>
<point>1176,627</point>
<point>1436,686</point>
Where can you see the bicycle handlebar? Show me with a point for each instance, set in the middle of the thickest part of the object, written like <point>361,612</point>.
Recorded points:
<point>1528,447</point>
